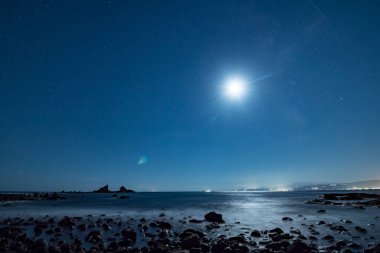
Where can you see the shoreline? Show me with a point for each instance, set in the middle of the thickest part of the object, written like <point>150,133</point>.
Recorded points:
<point>165,234</point>
<point>123,227</point>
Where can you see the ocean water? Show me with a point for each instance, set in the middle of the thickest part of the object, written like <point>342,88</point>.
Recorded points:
<point>241,210</point>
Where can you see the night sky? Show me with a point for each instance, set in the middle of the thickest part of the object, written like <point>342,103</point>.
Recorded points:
<point>131,93</point>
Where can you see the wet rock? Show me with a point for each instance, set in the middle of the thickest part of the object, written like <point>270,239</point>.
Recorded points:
<point>129,234</point>
<point>339,228</point>
<point>196,250</point>
<point>276,231</point>
<point>54,249</point>
<point>313,238</point>
<point>106,227</point>
<point>49,232</point>
<point>214,217</point>
<point>82,227</point>
<point>295,231</point>
<point>189,232</point>
<point>163,224</point>
<point>276,246</point>
<point>287,218</point>
<point>321,211</point>
<point>354,245</point>
<point>195,221</point>
<point>239,239</point>
<point>191,241</point>
<point>298,247</point>
<point>213,225</point>
<point>66,222</point>
<point>255,233</point>
<point>361,229</point>
<point>94,237</point>
<point>279,237</point>
<point>219,246</point>
<point>328,238</point>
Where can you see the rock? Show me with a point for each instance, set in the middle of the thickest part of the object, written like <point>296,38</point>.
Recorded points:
<point>255,233</point>
<point>163,224</point>
<point>195,221</point>
<point>276,246</point>
<point>276,231</point>
<point>239,239</point>
<point>106,227</point>
<point>129,234</point>
<point>213,225</point>
<point>328,238</point>
<point>94,237</point>
<point>321,211</point>
<point>295,231</point>
<point>125,190</point>
<point>82,227</point>
<point>339,228</point>
<point>361,229</point>
<point>66,222</point>
<point>298,247</point>
<point>279,237</point>
<point>214,217</point>
<point>189,232</point>
<point>191,241</point>
<point>103,189</point>
<point>313,238</point>
<point>219,247</point>
<point>287,218</point>
<point>354,245</point>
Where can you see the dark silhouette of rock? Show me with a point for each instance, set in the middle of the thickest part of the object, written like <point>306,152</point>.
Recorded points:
<point>125,190</point>
<point>214,217</point>
<point>103,189</point>
<point>195,221</point>
<point>298,247</point>
<point>361,229</point>
<point>255,233</point>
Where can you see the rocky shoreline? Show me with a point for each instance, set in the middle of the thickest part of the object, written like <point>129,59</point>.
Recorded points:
<point>213,233</point>
<point>114,234</point>
<point>356,199</point>
<point>29,196</point>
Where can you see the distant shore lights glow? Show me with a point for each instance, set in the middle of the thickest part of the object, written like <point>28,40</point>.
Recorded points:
<point>235,88</point>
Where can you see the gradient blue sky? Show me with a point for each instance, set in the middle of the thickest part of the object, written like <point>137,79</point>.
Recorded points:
<point>129,93</point>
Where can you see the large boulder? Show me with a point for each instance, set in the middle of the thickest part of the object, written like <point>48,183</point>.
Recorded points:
<point>214,217</point>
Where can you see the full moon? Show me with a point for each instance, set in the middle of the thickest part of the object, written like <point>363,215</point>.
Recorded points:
<point>235,88</point>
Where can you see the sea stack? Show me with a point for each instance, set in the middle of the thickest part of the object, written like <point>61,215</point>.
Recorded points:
<point>103,189</point>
